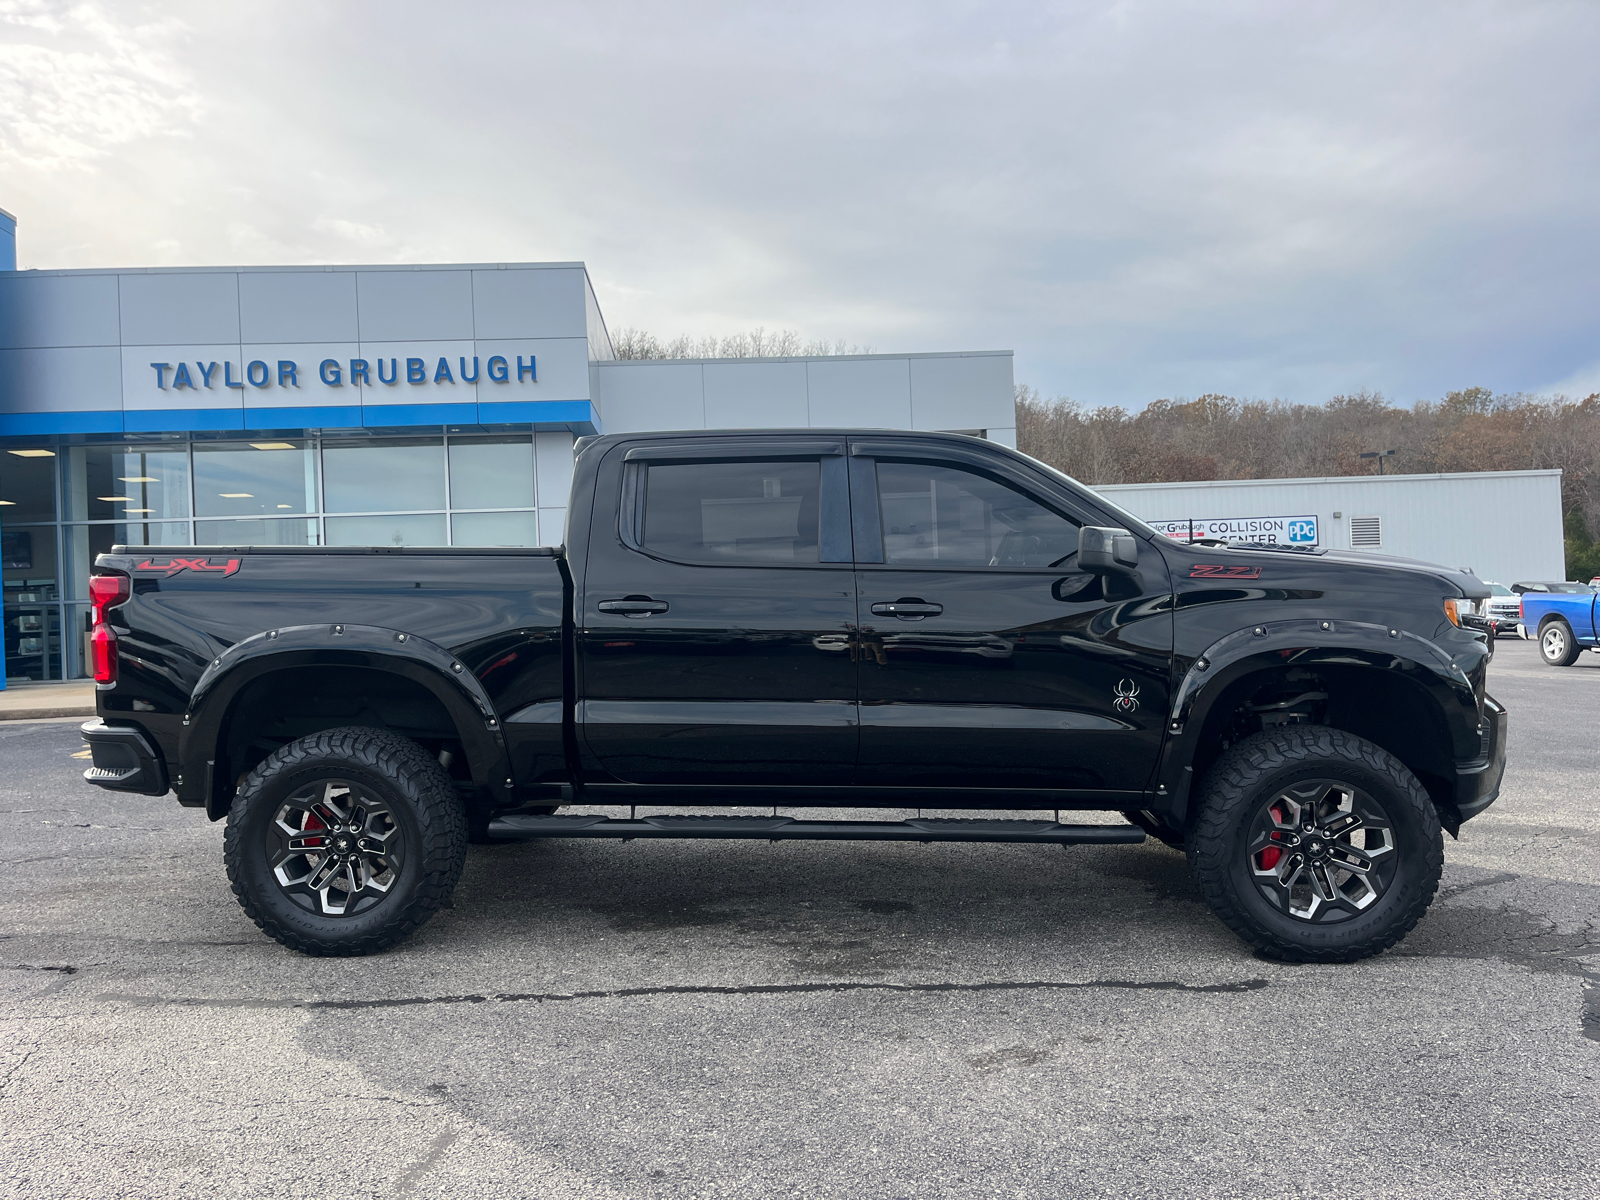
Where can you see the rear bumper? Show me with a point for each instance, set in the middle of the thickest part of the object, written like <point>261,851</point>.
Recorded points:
<point>125,759</point>
<point>1478,780</point>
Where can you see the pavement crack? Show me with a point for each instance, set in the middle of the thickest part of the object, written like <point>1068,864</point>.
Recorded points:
<point>1491,881</point>
<point>754,989</point>
<point>65,969</point>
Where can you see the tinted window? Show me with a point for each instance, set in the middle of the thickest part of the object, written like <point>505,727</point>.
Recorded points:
<point>732,511</point>
<point>959,518</point>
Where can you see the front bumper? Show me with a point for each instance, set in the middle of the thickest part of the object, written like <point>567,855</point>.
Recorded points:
<point>125,759</point>
<point>1478,779</point>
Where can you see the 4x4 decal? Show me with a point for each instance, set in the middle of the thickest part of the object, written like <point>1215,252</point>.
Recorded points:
<point>173,565</point>
<point>1222,571</point>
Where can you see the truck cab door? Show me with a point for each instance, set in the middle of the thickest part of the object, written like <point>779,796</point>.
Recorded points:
<point>988,660</point>
<point>717,613</point>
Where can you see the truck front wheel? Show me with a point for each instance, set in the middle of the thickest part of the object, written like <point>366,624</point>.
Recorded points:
<point>1315,845</point>
<point>345,841</point>
<point>1557,646</point>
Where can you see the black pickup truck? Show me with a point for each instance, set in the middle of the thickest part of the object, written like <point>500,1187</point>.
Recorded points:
<point>784,621</point>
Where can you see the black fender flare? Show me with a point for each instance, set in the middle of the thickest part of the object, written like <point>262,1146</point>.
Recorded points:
<point>358,646</point>
<point>1307,642</point>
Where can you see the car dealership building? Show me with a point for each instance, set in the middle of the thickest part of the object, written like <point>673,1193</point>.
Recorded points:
<point>387,405</point>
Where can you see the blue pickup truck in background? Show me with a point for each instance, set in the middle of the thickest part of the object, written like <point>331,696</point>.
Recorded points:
<point>1562,622</point>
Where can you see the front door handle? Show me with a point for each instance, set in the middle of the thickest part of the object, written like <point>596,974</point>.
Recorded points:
<point>907,608</point>
<point>633,606</point>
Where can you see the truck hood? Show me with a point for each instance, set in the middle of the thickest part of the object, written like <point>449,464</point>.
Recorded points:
<point>1469,584</point>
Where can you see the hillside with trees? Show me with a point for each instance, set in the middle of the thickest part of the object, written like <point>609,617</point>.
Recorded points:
<point>1218,437</point>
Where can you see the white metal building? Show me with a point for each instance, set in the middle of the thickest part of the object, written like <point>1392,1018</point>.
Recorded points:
<point>1504,525</point>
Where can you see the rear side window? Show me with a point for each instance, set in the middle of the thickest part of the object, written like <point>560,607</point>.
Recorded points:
<point>956,518</point>
<point>731,512</point>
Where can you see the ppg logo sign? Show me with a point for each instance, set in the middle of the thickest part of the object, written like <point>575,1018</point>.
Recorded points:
<point>1285,531</point>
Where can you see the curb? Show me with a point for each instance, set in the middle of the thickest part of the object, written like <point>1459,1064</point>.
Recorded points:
<point>36,714</point>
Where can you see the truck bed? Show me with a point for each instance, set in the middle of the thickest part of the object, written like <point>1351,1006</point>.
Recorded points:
<point>497,612</point>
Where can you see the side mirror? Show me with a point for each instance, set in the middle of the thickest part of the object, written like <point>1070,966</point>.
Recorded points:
<point>1107,551</point>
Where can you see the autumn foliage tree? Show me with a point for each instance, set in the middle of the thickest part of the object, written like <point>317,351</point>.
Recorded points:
<point>1218,437</point>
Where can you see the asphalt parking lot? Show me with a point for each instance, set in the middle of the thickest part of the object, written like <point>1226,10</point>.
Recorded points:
<point>840,1020</point>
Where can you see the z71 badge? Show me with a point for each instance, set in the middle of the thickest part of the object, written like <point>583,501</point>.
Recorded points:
<point>173,565</point>
<point>1223,571</point>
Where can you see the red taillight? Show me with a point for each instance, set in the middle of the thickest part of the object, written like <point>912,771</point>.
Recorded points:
<point>104,644</point>
<point>106,591</point>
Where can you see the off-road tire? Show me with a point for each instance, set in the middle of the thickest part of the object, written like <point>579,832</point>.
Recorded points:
<point>1156,828</point>
<point>425,807</point>
<point>1557,646</point>
<point>1247,778</point>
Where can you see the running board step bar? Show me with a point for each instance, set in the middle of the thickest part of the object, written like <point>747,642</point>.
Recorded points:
<point>777,829</point>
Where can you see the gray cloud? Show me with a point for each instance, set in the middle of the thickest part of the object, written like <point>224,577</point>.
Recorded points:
<point>1142,199</point>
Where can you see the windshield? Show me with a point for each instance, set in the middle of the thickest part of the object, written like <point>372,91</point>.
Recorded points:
<point>1500,589</point>
<point>1571,587</point>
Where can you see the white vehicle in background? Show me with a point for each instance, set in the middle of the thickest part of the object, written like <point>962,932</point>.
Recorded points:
<point>1503,609</point>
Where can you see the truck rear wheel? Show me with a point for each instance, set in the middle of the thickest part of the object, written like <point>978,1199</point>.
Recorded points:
<point>1315,845</point>
<point>1557,646</point>
<point>345,841</point>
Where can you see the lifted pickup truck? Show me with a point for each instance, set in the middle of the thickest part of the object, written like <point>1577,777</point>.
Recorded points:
<point>804,620</point>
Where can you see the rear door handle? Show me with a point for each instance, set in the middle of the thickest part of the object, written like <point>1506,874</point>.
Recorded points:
<point>633,606</point>
<point>907,609</point>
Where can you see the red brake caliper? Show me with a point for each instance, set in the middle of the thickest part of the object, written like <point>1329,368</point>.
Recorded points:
<point>312,823</point>
<point>1269,857</point>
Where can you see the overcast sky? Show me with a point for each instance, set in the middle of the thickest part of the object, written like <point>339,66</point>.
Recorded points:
<point>1141,199</point>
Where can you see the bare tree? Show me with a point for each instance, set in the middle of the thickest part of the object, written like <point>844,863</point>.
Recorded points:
<point>757,343</point>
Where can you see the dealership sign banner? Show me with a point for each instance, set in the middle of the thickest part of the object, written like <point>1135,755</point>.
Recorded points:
<point>332,372</point>
<point>1285,531</point>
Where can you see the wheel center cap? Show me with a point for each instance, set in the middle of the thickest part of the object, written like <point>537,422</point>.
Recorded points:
<point>1315,847</point>
<point>341,844</point>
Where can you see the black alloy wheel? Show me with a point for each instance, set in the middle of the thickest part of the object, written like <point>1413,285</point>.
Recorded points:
<point>1322,850</point>
<point>1315,845</point>
<point>345,841</point>
<point>336,848</point>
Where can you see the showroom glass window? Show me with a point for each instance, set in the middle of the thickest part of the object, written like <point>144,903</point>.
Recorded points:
<point>64,503</point>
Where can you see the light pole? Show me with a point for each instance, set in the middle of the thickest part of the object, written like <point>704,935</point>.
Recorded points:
<point>1380,456</point>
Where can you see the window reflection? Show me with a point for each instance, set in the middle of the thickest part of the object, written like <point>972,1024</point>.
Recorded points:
<point>396,475</point>
<point>27,485</point>
<point>104,483</point>
<point>238,479</point>
<point>731,511</point>
<point>491,472</point>
<point>286,532</point>
<point>959,518</point>
<point>423,530</point>
<point>494,529</point>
